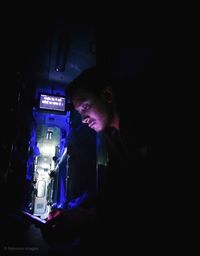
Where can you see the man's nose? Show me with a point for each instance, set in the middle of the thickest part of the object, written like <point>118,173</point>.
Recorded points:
<point>85,119</point>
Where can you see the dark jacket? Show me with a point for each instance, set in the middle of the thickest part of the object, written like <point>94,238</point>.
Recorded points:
<point>126,202</point>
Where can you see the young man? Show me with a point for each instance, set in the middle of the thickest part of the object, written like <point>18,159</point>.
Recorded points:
<point>121,202</point>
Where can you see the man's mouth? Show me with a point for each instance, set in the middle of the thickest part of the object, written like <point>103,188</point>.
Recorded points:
<point>91,124</point>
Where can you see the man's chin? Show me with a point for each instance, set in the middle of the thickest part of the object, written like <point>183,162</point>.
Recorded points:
<point>96,129</point>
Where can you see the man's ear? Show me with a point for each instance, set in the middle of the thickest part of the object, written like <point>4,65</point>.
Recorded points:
<point>107,94</point>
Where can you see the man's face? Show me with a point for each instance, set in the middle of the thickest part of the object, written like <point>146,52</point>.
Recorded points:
<point>94,110</point>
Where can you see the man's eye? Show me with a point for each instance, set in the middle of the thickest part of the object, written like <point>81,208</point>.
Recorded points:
<point>85,107</point>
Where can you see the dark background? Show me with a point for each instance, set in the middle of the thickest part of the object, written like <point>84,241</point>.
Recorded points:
<point>134,63</point>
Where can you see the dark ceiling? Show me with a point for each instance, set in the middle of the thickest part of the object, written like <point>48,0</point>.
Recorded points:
<point>48,53</point>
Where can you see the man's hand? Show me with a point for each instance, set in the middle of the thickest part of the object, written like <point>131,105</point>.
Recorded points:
<point>72,223</point>
<point>54,214</point>
<point>71,218</point>
<point>55,218</point>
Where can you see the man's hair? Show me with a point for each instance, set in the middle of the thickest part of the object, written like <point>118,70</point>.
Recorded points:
<point>90,81</point>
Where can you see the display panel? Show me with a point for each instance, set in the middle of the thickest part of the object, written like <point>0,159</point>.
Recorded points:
<point>52,102</point>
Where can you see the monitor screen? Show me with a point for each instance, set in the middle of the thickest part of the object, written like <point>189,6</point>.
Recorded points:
<point>52,102</point>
